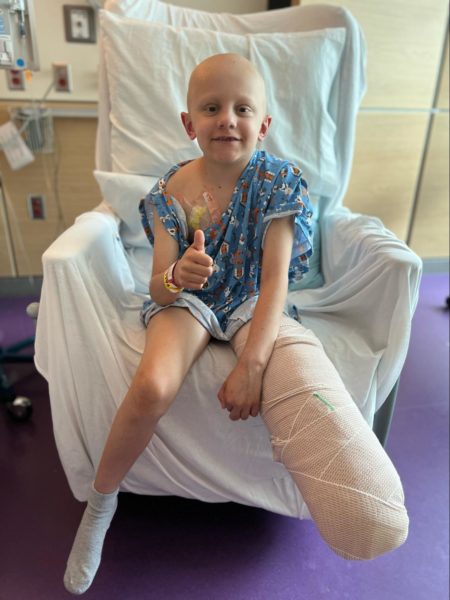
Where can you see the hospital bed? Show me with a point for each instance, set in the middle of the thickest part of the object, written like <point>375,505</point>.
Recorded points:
<point>359,297</point>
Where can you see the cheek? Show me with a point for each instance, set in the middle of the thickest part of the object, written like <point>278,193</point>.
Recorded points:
<point>206,129</point>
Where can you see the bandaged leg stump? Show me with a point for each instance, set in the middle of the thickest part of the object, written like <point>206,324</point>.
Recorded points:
<point>351,487</point>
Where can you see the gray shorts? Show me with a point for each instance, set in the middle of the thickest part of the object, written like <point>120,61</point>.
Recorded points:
<point>205,315</point>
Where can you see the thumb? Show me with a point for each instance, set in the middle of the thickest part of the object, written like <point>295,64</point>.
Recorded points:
<point>199,240</point>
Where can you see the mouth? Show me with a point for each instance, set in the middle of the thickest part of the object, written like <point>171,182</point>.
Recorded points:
<point>225,138</point>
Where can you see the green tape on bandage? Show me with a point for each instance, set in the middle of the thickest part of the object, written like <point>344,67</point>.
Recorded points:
<point>324,400</point>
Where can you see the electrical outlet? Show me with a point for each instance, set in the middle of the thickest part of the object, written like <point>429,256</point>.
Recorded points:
<point>62,77</point>
<point>36,206</point>
<point>15,79</point>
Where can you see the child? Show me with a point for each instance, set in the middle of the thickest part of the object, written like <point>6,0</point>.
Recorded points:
<point>230,230</point>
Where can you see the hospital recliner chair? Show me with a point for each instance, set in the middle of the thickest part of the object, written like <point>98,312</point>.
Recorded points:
<point>359,297</point>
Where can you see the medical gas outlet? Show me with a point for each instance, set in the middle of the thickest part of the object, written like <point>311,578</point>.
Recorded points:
<point>62,77</point>
<point>15,79</point>
<point>36,207</point>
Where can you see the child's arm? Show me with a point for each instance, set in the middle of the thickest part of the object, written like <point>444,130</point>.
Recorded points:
<point>192,269</point>
<point>241,391</point>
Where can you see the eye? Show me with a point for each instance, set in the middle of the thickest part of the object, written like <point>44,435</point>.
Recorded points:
<point>210,109</point>
<point>244,109</point>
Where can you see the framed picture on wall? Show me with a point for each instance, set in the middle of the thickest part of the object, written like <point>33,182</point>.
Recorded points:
<point>79,24</point>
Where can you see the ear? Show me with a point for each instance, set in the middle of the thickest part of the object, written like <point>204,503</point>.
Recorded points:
<point>264,127</point>
<point>187,124</point>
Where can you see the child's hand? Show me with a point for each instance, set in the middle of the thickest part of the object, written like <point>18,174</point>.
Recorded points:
<point>195,266</point>
<point>240,394</point>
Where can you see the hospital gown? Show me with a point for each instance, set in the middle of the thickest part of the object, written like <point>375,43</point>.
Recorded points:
<point>268,188</point>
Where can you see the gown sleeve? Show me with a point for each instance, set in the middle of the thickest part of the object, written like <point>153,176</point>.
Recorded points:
<point>289,196</point>
<point>167,211</point>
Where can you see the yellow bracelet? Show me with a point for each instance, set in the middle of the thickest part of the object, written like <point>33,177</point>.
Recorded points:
<point>169,282</point>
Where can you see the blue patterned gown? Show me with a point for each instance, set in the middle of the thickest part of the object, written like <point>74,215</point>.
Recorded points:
<point>268,188</point>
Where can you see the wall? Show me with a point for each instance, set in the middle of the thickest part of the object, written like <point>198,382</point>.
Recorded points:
<point>400,171</point>
<point>64,178</point>
<point>401,163</point>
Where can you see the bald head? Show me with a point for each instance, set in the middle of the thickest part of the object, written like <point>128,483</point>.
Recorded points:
<point>231,68</point>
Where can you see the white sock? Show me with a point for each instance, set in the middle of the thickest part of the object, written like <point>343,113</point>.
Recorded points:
<point>84,558</point>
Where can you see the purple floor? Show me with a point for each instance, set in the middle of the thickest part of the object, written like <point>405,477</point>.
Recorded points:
<point>174,549</point>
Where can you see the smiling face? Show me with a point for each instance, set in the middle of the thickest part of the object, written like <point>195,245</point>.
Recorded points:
<point>226,104</point>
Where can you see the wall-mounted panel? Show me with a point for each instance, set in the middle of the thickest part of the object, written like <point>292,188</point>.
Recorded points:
<point>430,235</point>
<point>387,157</point>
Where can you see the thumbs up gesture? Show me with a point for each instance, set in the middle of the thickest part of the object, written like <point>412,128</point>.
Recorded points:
<point>195,266</point>
<point>199,240</point>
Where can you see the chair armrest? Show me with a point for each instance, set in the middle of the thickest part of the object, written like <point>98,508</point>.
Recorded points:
<point>372,282</point>
<point>86,290</point>
<point>351,241</point>
<point>91,248</point>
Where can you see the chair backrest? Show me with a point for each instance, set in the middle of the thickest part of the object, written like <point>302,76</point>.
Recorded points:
<point>338,110</point>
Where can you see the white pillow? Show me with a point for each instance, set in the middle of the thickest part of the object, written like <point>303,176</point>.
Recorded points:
<point>122,192</point>
<point>148,67</point>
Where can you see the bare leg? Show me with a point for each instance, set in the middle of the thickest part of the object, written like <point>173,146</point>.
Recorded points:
<point>174,340</point>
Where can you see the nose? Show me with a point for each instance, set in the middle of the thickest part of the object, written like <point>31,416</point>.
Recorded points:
<point>227,119</point>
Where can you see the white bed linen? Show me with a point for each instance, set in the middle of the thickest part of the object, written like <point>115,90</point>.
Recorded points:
<point>299,70</point>
<point>89,338</point>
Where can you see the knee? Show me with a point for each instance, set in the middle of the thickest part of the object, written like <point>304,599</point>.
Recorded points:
<point>150,396</point>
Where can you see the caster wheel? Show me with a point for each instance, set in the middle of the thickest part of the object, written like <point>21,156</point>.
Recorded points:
<point>33,310</point>
<point>20,409</point>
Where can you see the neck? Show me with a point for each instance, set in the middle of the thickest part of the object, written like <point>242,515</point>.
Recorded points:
<point>220,176</point>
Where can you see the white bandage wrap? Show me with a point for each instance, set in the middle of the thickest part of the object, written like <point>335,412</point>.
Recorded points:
<point>347,480</point>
